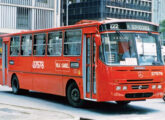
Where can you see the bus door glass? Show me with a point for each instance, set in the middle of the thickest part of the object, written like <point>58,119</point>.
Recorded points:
<point>89,67</point>
<point>4,60</point>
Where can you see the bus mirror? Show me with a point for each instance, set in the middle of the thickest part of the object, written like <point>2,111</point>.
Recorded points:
<point>98,39</point>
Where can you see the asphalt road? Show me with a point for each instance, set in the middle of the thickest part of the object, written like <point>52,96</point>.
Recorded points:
<point>39,106</point>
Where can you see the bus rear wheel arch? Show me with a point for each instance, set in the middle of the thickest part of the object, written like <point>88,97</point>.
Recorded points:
<point>73,94</point>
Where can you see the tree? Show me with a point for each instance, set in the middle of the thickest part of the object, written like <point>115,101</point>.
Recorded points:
<point>162,27</point>
<point>162,30</point>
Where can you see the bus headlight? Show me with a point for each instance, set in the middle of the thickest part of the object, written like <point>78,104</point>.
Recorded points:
<point>124,87</point>
<point>118,88</point>
<point>153,86</point>
<point>159,86</point>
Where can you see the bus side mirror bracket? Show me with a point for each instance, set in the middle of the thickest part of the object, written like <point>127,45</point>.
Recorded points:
<point>97,39</point>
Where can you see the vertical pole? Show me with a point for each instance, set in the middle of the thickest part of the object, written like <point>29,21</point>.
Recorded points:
<point>33,20</point>
<point>67,12</point>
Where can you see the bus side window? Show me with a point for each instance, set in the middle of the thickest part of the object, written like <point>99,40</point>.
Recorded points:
<point>26,45</point>
<point>54,44</point>
<point>15,46</point>
<point>0,47</point>
<point>72,43</point>
<point>39,44</point>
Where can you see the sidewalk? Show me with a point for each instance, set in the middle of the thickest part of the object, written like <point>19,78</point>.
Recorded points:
<point>13,112</point>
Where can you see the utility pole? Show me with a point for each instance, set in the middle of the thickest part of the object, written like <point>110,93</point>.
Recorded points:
<point>67,5</point>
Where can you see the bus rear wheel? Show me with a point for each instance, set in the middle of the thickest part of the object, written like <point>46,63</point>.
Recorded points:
<point>123,102</point>
<point>73,95</point>
<point>15,86</point>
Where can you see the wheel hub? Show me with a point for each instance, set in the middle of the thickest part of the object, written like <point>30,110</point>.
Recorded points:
<point>75,94</point>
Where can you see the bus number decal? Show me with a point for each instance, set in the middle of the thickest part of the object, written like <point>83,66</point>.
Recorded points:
<point>38,64</point>
<point>157,73</point>
<point>114,26</point>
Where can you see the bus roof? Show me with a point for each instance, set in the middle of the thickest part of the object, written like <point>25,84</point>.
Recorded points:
<point>127,20</point>
<point>80,24</point>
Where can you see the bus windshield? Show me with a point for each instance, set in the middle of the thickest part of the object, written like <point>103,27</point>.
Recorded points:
<point>130,49</point>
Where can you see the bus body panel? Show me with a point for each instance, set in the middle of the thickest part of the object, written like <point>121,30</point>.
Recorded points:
<point>128,76</point>
<point>22,68</point>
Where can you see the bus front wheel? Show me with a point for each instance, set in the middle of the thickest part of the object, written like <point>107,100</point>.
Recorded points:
<point>164,97</point>
<point>73,95</point>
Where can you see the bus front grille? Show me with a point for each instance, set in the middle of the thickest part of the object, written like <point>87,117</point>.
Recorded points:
<point>140,86</point>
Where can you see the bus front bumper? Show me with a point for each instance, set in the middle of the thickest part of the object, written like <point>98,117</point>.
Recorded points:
<point>138,92</point>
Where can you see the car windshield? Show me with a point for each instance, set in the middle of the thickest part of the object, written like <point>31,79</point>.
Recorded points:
<point>130,49</point>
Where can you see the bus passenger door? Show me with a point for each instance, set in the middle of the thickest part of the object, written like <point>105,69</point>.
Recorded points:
<point>4,63</point>
<point>89,77</point>
<point>1,80</point>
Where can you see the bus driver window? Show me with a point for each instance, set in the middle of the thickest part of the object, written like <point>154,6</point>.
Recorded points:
<point>124,50</point>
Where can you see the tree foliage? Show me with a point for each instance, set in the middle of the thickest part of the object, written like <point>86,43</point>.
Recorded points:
<point>162,26</point>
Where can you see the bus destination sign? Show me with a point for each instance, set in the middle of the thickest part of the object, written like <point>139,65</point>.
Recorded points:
<point>128,26</point>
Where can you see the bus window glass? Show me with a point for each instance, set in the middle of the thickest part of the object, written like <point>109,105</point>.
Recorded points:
<point>15,46</point>
<point>72,43</point>
<point>147,49</point>
<point>54,44</point>
<point>39,44</point>
<point>26,45</point>
<point>130,49</point>
<point>0,47</point>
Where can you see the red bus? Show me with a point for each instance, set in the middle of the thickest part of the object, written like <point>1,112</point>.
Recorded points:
<point>111,60</point>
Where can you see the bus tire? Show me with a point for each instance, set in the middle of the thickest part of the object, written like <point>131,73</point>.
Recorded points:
<point>164,98</point>
<point>15,85</point>
<point>73,95</point>
<point>122,103</point>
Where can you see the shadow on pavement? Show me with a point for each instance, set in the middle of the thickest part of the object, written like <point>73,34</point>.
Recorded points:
<point>108,108</point>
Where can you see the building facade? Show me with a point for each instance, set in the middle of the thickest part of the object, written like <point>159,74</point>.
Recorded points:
<point>158,11</point>
<point>158,17</point>
<point>18,15</point>
<point>106,9</point>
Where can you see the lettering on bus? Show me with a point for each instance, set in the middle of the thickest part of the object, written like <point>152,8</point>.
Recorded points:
<point>38,65</point>
<point>128,26</point>
<point>62,65</point>
<point>157,73</point>
<point>138,27</point>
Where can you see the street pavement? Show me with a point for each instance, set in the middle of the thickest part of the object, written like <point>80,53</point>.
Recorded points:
<point>39,106</point>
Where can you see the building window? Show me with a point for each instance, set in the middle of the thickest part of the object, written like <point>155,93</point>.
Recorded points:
<point>26,45</point>
<point>15,46</point>
<point>0,47</point>
<point>39,44</point>
<point>23,18</point>
<point>72,43</point>
<point>42,1</point>
<point>54,44</point>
